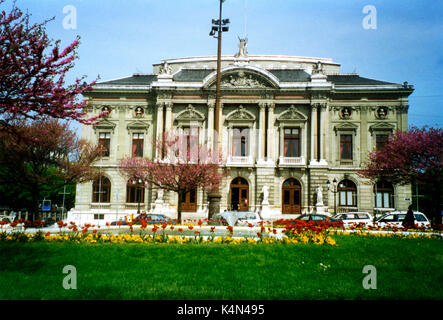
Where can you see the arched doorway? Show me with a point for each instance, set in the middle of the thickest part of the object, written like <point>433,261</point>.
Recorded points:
<point>239,194</point>
<point>190,202</point>
<point>291,196</point>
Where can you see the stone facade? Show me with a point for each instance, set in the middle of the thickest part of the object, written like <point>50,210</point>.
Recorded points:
<point>333,120</point>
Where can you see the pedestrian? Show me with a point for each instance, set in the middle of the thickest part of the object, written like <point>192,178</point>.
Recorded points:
<point>409,220</point>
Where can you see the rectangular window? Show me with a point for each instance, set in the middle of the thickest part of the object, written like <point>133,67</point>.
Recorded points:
<point>99,216</point>
<point>190,141</point>
<point>291,142</point>
<point>105,141</point>
<point>346,147</point>
<point>381,140</point>
<point>137,145</point>
<point>240,142</point>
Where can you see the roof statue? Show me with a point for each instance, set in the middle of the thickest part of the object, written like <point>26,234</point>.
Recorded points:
<point>318,68</point>
<point>242,47</point>
<point>165,68</point>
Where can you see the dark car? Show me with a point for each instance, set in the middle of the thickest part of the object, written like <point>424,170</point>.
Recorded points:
<point>150,218</point>
<point>316,217</point>
<point>153,218</point>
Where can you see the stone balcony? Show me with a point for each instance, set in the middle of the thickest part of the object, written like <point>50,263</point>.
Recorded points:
<point>291,161</point>
<point>233,161</point>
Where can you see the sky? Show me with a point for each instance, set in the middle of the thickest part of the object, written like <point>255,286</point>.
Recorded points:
<point>394,41</point>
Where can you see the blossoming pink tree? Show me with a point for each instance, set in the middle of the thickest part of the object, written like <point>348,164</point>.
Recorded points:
<point>32,73</point>
<point>181,166</point>
<point>415,156</point>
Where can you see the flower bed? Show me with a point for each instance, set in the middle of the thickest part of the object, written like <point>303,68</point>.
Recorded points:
<point>89,233</point>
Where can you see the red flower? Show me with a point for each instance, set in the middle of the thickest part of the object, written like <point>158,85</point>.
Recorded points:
<point>180,229</point>
<point>190,227</point>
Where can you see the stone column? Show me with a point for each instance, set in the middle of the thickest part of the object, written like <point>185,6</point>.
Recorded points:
<point>159,124</point>
<point>261,132</point>
<point>168,120</point>
<point>313,132</point>
<point>210,135</point>
<point>220,126</point>
<point>270,133</point>
<point>323,131</point>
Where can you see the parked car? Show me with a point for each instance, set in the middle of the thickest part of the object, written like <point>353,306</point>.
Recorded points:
<point>316,217</point>
<point>153,218</point>
<point>6,218</point>
<point>395,219</point>
<point>354,218</point>
<point>48,221</point>
<point>236,218</point>
<point>246,218</point>
<point>148,218</point>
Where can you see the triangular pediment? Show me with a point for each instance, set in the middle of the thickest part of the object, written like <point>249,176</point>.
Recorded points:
<point>292,114</point>
<point>240,114</point>
<point>190,114</point>
<point>382,127</point>
<point>138,125</point>
<point>346,126</point>
<point>105,125</point>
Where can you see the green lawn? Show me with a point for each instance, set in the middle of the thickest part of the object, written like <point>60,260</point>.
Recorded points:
<point>406,269</point>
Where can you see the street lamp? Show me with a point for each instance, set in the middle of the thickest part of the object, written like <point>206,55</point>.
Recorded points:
<point>334,190</point>
<point>218,25</point>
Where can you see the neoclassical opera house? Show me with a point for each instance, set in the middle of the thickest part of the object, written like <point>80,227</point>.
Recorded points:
<point>288,126</point>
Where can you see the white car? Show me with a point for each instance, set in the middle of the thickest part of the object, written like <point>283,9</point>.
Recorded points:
<point>248,217</point>
<point>237,218</point>
<point>3,217</point>
<point>395,219</point>
<point>354,218</point>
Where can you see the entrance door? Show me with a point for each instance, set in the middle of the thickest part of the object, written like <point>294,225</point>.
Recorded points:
<point>291,196</point>
<point>190,203</point>
<point>239,194</point>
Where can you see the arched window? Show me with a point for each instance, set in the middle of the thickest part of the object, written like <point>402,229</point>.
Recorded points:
<point>101,190</point>
<point>347,193</point>
<point>384,194</point>
<point>135,192</point>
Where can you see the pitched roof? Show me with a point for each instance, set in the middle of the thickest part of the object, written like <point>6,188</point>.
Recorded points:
<point>354,79</point>
<point>192,75</point>
<point>136,79</point>
<point>289,75</point>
